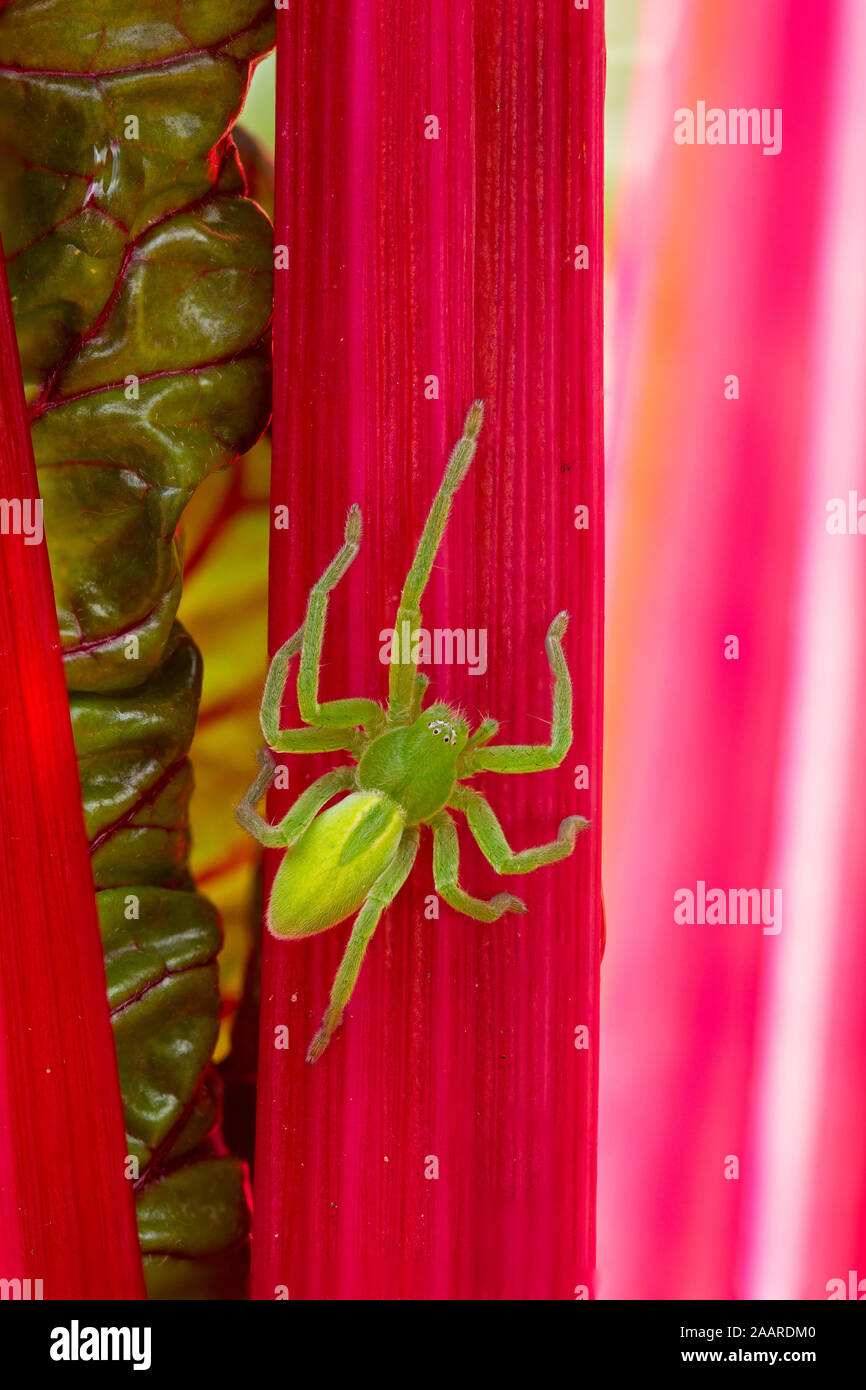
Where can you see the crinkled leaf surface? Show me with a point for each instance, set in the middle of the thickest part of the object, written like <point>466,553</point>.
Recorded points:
<point>224,529</point>
<point>141,279</point>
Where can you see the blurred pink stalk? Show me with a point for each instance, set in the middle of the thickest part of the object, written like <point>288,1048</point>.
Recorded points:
<point>724,1041</point>
<point>67,1222</point>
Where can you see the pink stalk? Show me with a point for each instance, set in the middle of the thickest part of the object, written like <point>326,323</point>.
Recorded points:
<point>444,1147</point>
<point>722,1051</point>
<point>66,1213</point>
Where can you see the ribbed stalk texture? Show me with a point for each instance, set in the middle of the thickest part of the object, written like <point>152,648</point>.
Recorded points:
<point>437,169</point>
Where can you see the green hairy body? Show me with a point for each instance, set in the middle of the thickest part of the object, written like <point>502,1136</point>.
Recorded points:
<point>334,865</point>
<point>409,767</point>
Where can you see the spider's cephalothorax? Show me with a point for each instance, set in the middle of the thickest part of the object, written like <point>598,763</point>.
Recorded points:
<point>416,765</point>
<point>409,766</point>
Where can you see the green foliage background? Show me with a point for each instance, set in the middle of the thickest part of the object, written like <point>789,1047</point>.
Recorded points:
<point>141,279</point>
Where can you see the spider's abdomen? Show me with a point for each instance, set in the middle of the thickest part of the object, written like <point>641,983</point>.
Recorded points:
<point>328,873</point>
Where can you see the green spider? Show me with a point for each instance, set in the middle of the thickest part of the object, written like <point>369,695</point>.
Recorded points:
<point>410,765</point>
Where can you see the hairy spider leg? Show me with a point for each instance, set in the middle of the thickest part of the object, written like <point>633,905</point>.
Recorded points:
<point>421,684</point>
<point>487,729</point>
<point>402,687</point>
<point>490,837</point>
<point>333,713</point>
<point>300,815</point>
<point>309,740</point>
<point>381,895</point>
<point>306,740</point>
<point>533,757</point>
<point>446,867</point>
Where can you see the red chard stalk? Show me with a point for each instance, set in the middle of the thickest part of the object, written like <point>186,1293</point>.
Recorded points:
<point>67,1224</point>
<point>141,283</point>
<point>438,238</point>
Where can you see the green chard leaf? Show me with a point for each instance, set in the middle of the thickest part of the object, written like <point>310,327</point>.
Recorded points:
<point>141,278</point>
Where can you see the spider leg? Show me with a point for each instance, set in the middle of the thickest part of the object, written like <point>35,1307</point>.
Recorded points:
<point>491,840</point>
<point>332,713</point>
<point>306,739</point>
<point>309,740</point>
<point>402,678</point>
<point>383,892</point>
<point>300,815</point>
<point>532,757</point>
<point>487,729</point>
<point>421,684</point>
<point>446,865</point>
<point>272,699</point>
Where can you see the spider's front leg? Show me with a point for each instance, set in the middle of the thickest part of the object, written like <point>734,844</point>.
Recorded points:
<point>533,757</point>
<point>300,815</point>
<point>491,840</point>
<point>332,714</point>
<point>381,895</point>
<point>304,740</point>
<point>404,674</point>
<point>446,866</point>
<point>487,729</point>
<point>421,684</point>
<point>310,740</point>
